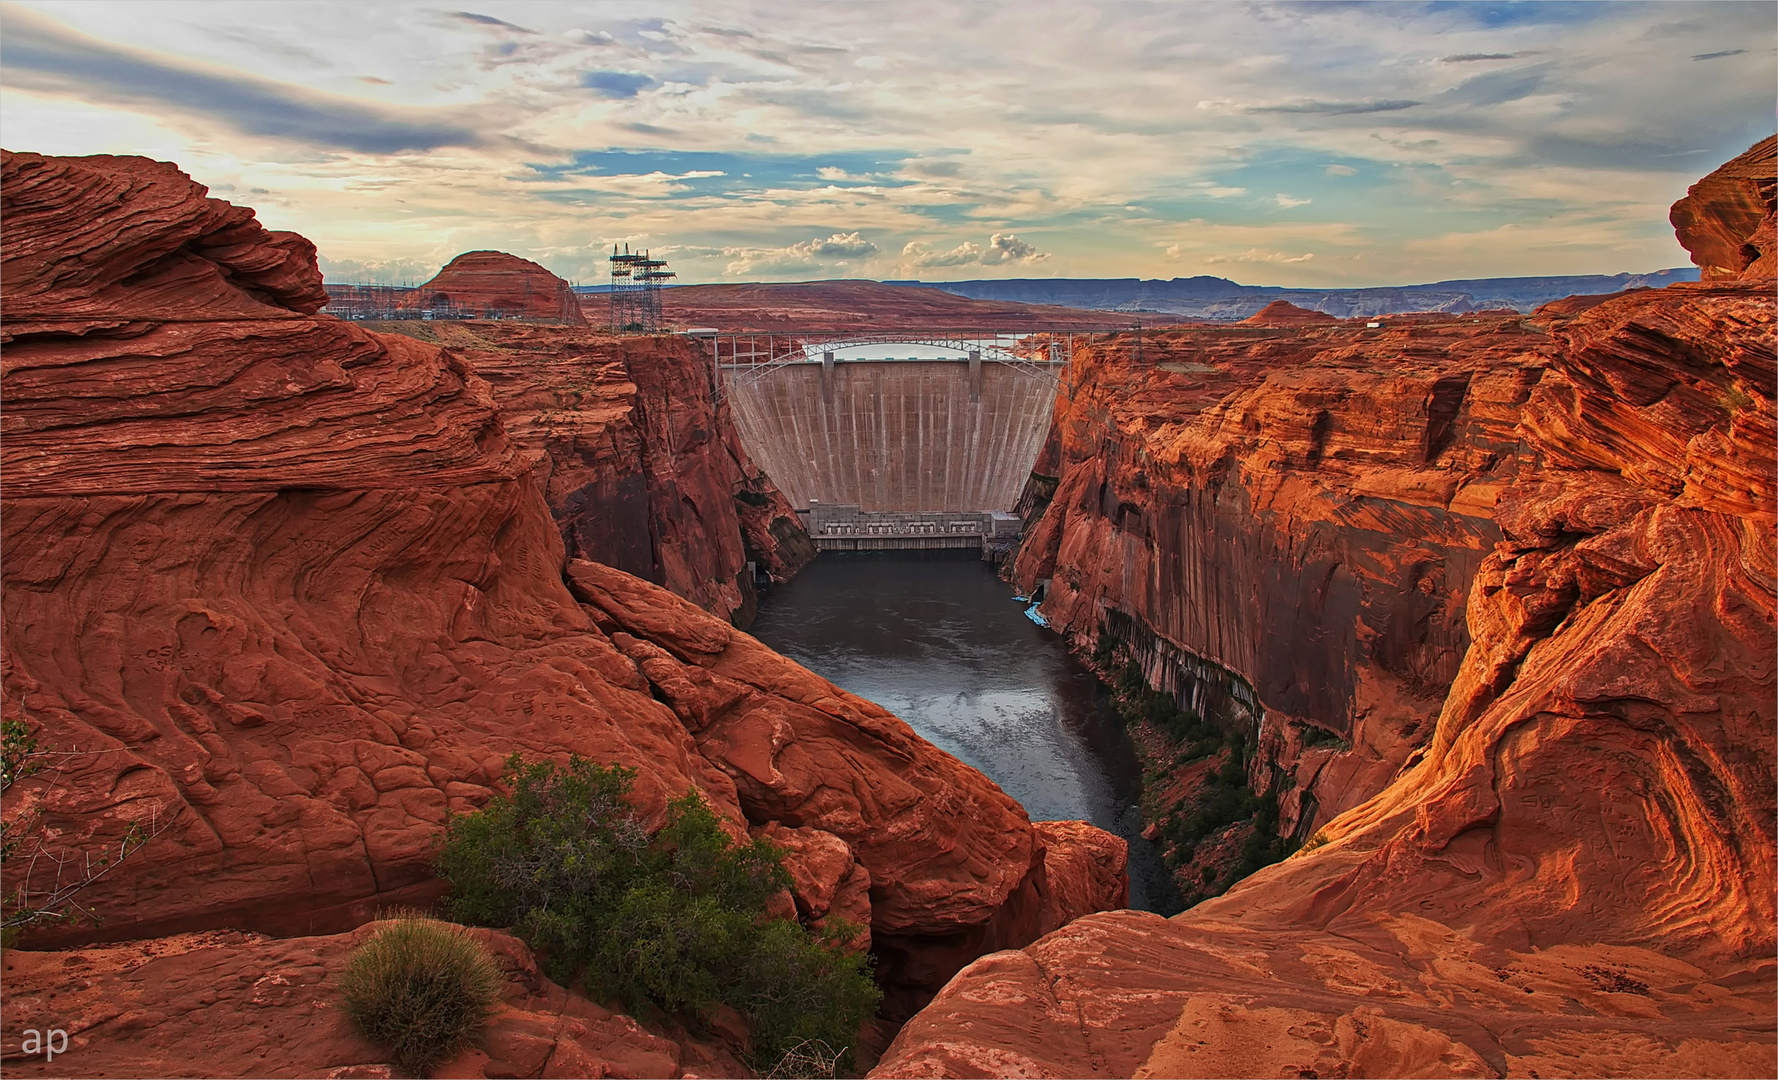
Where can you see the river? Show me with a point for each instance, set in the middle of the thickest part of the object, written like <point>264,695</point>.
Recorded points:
<point>936,638</point>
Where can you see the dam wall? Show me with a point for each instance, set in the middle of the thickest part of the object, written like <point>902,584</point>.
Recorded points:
<point>896,436</point>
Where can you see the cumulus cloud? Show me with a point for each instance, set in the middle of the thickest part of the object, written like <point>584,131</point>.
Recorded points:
<point>1003,248</point>
<point>803,257</point>
<point>1254,255</point>
<point>837,246</point>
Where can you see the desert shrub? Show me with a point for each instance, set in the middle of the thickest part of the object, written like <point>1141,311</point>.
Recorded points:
<point>422,989</point>
<point>675,922</point>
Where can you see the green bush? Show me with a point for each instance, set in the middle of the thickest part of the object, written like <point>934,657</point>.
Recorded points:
<point>675,922</point>
<point>422,989</point>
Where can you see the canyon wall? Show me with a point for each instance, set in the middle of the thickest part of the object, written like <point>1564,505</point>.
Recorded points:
<point>1568,868</point>
<point>1286,521</point>
<point>285,592</point>
<point>928,435</point>
<point>641,468</point>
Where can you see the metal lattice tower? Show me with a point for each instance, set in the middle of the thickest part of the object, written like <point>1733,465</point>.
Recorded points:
<point>636,291</point>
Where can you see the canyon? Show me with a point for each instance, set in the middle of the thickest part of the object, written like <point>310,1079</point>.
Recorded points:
<point>283,592</point>
<point>1480,606</point>
<point>1493,598</point>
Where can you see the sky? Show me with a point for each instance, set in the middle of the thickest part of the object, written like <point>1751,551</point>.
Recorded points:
<point>1301,144</point>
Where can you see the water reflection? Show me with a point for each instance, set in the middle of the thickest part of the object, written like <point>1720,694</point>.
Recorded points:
<point>936,638</point>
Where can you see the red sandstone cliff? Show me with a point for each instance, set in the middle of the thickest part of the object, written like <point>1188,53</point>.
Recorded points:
<point>493,284</point>
<point>292,592</point>
<point>641,469</point>
<point>1572,873</point>
<point>1726,219</point>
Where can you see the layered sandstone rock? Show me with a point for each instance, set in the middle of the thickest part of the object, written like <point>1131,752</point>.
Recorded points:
<point>1284,523</point>
<point>230,1003</point>
<point>493,284</point>
<point>641,468</point>
<point>1726,220</point>
<point>1573,873</point>
<point>285,592</point>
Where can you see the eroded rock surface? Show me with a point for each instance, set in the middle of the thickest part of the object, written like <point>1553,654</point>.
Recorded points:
<point>1726,219</point>
<point>231,1003</point>
<point>1572,874</point>
<point>285,591</point>
<point>642,470</point>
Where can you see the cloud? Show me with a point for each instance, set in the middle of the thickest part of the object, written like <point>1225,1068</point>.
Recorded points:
<point>800,258</point>
<point>1341,170</point>
<point>39,54</point>
<point>1472,57</point>
<point>1003,248</point>
<point>1287,201</point>
<point>1337,108</point>
<point>1253,255</point>
<point>488,20</point>
<point>1719,55</point>
<point>839,245</point>
<point>1215,190</point>
<point>616,84</point>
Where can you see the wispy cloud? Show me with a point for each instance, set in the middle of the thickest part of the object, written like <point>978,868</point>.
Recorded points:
<point>37,54</point>
<point>1336,108</point>
<point>1719,55</point>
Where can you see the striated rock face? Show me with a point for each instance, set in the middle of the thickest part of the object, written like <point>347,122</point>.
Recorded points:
<point>1285,313</point>
<point>1573,872</point>
<point>493,284</point>
<point>641,470</point>
<point>1285,523</point>
<point>228,1003</point>
<point>1726,220</point>
<point>292,592</point>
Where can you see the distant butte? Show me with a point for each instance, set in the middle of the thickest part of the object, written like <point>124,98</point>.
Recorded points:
<point>493,283</point>
<point>1285,313</point>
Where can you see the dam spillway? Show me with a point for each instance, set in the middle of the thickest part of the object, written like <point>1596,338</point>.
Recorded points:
<point>896,437</point>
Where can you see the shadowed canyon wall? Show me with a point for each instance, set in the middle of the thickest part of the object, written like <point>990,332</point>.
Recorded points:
<point>285,592</point>
<point>1547,547</point>
<point>926,435</point>
<point>642,470</point>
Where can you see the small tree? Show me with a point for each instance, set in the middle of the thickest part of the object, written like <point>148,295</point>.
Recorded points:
<point>674,923</point>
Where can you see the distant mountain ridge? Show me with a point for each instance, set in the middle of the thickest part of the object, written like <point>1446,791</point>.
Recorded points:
<point>1206,297</point>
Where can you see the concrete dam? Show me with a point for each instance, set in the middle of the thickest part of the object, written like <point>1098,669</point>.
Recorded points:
<point>896,453</point>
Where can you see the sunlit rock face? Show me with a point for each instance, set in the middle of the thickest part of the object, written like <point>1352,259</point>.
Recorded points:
<point>293,591</point>
<point>1564,866</point>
